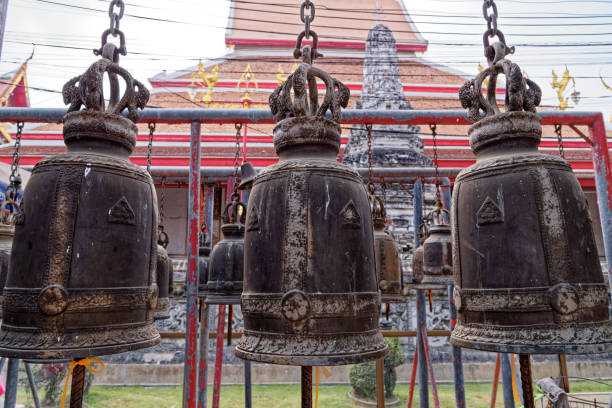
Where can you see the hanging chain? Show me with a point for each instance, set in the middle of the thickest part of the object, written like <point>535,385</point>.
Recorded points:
<point>384,191</point>
<point>115,18</point>
<point>162,200</point>
<point>238,127</point>
<point>307,5</point>
<point>558,129</point>
<point>491,19</point>
<point>434,135</point>
<point>150,146</point>
<point>16,156</point>
<point>371,187</point>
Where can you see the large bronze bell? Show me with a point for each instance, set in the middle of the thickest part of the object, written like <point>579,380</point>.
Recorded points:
<point>386,252</point>
<point>82,278</point>
<point>310,290</point>
<point>163,277</point>
<point>528,278</point>
<point>226,265</point>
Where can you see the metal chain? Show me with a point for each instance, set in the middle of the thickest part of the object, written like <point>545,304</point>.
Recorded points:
<point>150,146</point>
<point>371,187</point>
<point>307,5</point>
<point>115,18</point>
<point>16,156</point>
<point>558,130</point>
<point>434,135</point>
<point>238,127</point>
<point>491,19</point>
<point>162,199</point>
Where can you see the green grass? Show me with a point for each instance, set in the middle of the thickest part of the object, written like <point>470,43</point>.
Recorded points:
<point>283,396</point>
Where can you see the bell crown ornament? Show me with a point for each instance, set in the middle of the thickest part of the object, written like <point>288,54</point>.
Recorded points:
<point>527,274</point>
<point>310,289</point>
<point>82,275</point>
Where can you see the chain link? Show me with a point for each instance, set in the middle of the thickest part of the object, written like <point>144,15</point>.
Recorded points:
<point>16,156</point>
<point>371,187</point>
<point>558,131</point>
<point>491,19</point>
<point>162,200</point>
<point>434,135</point>
<point>115,18</point>
<point>307,5</point>
<point>238,127</point>
<point>150,146</point>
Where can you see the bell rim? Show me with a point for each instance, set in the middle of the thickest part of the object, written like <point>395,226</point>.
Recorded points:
<point>540,347</point>
<point>81,352</point>
<point>215,299</point>
<point>160,315</point>
<point>312,359</point>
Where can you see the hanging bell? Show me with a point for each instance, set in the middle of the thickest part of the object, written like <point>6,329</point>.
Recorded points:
<point>163,240</point>
<point>226,265</point>
<point>82,278</point>
<point>388,267</point>
<point>7,231</point>
<point>528,277</point>
<point>437,253</point>
<point>203,264</point>
<point>163,277</point>
<point>310,295</point>
<point>247,176</point>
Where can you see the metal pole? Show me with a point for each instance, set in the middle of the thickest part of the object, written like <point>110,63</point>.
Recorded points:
<point>434,389</point>
<point>457,358</point>
<point>526,380</point>
<point>307,387</point>
<point>33,388</point>
<point>218,357</point>
<point>248,398</point>
<point>203,366</point>
<point>415,363</point>
<point>4,9</point>
<point>12,374</point>
<point>495,381</point>
<point>420,303</point>
<point>507,374</point>
<point>603,184</point>
<point>204,318</point>
<point>380,384</point>
<point>190,384</point>
<point>563,372</point>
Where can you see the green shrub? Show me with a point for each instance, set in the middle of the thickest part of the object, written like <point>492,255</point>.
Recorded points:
<point>362,377</point>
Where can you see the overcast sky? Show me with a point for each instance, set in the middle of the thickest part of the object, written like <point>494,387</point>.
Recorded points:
<point>197,31</point>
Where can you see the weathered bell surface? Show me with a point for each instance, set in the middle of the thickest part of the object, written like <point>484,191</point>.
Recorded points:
<point>82,278</point>
<point>226,265</point>
<point>310,290</point>
<point>163,276</point>
<point>7,232</point>
<point>437,256</point>
<point>527,274</point>
<point>388,267</point>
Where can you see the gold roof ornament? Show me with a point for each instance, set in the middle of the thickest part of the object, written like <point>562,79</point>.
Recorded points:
<point>560,86</point>
<point>201,79</point>
<point>246,80</point>
<point>281,77</point>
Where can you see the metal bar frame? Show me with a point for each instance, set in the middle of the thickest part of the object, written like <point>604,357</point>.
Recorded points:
<point>594,120</point>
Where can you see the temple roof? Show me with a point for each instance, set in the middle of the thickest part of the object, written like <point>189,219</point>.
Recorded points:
<point>340,24</point>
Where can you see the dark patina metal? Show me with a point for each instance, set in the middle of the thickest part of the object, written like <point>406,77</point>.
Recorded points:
<point>310,290</point>
<point>82,276</point>
<point>226,265</point>
<point>527,274</point>
<point>203,264</point>
<point>7,232</point>
<point>437,256</point>
<point>163,277</point>
<point>386,252</point>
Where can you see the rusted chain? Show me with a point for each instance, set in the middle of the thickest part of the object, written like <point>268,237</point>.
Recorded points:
<point>150,146</point>
<point>371,186</point>
<point>307,387</point>
<point>558,132</point>
<point>78,386</point>
<point>238,127</point>
<point>526,379</point>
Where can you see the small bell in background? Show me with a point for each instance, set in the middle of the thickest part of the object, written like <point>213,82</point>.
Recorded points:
<point>226,265</point>
<point>437,252</point>
<point>527,274</point>
<point>388,266</point>
<point>417,255</point>
<point>163,277</point>
<point>310,289</point>
<point>82,279</point>
<point>203,263</point>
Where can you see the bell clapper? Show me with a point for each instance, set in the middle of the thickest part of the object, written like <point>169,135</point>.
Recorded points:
<point>526,379</point>
<point>430,301</point>
<point>387,310</point>
<point>306,387</point>
<point>230,317</point>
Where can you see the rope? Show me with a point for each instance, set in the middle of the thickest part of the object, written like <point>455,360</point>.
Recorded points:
<point>85,363</point>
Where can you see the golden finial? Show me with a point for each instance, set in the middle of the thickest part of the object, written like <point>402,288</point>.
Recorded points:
<point>199,78</point>
<point>560,86</point>
<point>246,80</point>
<point>281,77</point>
